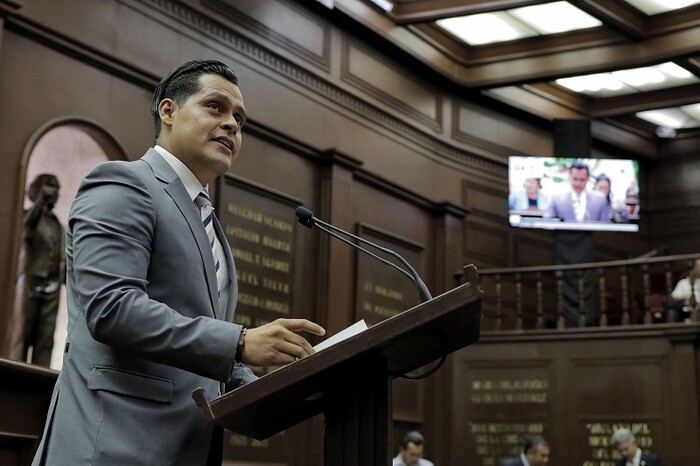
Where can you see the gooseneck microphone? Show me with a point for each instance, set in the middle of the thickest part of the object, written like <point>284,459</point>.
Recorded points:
<point>307,219</point>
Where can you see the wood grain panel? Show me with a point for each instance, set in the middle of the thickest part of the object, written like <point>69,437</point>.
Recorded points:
<point>478,125</point>
<point>481,241</point>
<point>530,251</point>
<point>486,200</point>
<point>282,23</point>
<point>392,85</point>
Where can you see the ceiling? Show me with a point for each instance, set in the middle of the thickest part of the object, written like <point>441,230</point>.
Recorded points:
<point>521,73</point>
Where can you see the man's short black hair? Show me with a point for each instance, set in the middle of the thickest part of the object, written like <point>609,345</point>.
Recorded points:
<point>533,443</point>
<point>413,437</point>
<point>183,81</point>
<point>580,165</point>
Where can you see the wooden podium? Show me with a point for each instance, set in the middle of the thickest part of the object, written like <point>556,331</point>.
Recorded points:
<point>350,382</point>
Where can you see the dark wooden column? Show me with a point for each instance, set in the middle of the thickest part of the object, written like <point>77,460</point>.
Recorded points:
<point>335,289</point>
<point>449,234</point>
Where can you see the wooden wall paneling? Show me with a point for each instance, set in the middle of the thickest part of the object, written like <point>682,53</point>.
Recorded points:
<point>488,201</point>
<point>417,404</point>
<point>449,222</point>
<point>682,397</point>
<point>337,207</point>
<point>500,402</point>
<point>673,196</point>
<point>395,87</point>
<point>280,25</point>
<point>484,242</point>
<point>449,234</point>
<point>381,292</point>
<point>617,390</point>
<point>479,126</point>
<point>532,248</point>
<point>641,378</point>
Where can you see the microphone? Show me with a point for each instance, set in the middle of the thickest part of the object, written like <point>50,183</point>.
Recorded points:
<point>307,219</point>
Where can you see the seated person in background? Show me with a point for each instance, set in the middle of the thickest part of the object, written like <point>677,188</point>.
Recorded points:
<point>411,453</point>
<point>531,197</point>
<point>535,453</point>
<point>578,204</point>
<point>623,440</point>
<point>687,290</point>
<point>617,210</point>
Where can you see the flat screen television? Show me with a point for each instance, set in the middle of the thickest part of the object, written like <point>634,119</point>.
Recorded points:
<point>563,193</point>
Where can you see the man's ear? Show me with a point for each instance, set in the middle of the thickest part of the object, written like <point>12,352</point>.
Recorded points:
<point>166,111</point>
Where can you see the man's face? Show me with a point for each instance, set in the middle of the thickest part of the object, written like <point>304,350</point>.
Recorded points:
<point>627,450</point>
<point>205,131</point>
<point>531,186</point>
<point>579,179</point>
<point>538,457</point>
<point>411,454</point>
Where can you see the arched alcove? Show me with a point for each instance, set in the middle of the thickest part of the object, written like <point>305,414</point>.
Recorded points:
<point>69,149</point>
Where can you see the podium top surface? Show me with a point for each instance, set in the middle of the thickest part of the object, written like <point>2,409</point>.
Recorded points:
<point>400,344</point>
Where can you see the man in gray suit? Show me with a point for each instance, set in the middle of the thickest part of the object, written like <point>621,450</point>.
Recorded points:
<point>152,290</point>
<point>579,204</point>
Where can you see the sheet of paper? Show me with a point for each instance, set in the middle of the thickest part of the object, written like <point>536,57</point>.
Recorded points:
<point>354,329</point>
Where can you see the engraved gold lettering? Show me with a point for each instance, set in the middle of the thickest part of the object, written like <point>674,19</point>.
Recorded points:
<point>243,234</point>
<point>276,244</point>
<point>242,255</point>
<point>275,285</point>
<point>274,264</point>
<point>388,293</point>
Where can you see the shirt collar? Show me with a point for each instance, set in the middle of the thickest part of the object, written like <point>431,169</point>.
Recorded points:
<point>192,184</point>
<point>637,458</point>
<point>524,459</point>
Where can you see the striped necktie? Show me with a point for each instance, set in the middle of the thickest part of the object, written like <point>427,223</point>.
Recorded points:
<point>207,213</point>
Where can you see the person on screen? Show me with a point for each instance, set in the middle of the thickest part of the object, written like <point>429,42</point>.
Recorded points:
<point>579,204</point>
<point>152,290</point>
<point>617,211</point>
<point>530,197</point>
<point>535,453</point>
<point>623,441</point>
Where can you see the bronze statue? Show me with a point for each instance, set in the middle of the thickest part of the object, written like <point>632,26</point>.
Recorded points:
<point>44,268</point>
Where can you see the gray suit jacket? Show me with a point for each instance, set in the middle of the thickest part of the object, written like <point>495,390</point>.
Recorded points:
<point>562,207</point>
<point>144,324</point>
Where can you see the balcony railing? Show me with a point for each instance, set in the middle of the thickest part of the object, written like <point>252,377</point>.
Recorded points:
<point>622,292</point>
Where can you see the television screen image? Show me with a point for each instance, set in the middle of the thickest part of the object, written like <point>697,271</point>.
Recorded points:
<point>564,193</point>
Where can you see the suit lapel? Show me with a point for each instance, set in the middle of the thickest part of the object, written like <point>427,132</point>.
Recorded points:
<point>176,190</point>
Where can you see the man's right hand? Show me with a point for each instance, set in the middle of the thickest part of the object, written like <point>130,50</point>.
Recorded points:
<point>279,342</point>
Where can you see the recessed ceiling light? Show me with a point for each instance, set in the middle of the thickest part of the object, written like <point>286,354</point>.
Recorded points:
<point>668,117</point>
<point>486,28</point>
<point>653,7</point>
<point>556,17</point>
<point>632,80</point>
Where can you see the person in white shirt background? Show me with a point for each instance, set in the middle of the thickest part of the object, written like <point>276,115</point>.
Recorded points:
<point>411,452</point>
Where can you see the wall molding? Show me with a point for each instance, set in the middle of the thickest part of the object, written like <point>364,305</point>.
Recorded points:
<point>479,158</point>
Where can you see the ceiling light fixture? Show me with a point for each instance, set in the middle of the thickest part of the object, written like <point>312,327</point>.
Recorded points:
<point>556,17</point>
<point>385,5</point>
<point>485,28</point>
